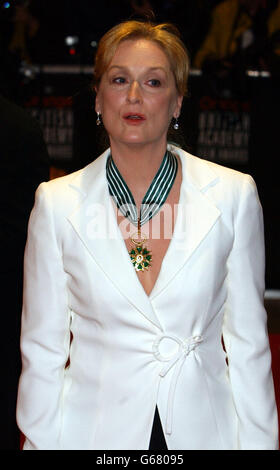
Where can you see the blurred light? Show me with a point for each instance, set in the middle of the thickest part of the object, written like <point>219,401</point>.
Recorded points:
<point>257,74</point>
<point>93,43</point>
<point>71,40</point>
<point>6,5</point>
<point>253,73</point>
<point>29,71</point>
<point>72,51</point>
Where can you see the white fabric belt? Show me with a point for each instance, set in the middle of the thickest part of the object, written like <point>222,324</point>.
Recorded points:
<point>178,359</point>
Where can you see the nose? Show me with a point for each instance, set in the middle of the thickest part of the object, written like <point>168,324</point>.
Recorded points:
<point>134,93</point>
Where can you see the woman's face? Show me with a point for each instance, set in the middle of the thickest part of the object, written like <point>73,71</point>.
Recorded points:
<point>137,95</point>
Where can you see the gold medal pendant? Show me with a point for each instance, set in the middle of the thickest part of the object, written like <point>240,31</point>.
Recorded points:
<point>140,256</point>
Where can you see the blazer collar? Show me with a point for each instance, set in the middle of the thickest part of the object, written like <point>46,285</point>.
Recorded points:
<point>95,222</point>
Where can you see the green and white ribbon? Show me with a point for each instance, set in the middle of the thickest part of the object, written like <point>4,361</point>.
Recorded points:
<point>155,196</point>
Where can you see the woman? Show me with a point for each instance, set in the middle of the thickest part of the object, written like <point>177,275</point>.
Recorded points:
<point>146,294</point>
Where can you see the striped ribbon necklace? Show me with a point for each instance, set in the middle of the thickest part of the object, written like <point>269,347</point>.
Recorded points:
<point>154,198</point>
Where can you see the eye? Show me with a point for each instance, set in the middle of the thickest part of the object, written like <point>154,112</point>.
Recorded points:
<point>154,82</point>
<point>119,80</point>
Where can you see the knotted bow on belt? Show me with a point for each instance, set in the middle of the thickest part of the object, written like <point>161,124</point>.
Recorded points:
<point>178,358</point>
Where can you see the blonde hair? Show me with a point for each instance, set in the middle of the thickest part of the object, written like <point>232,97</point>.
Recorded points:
<point>165,35</point>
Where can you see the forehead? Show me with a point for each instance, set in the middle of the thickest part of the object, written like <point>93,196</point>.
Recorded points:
<point>140,52</point>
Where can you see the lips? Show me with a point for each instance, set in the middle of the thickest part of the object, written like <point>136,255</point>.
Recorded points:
<point>134,117</point>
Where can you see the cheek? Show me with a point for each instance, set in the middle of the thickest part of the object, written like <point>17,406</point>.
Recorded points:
<point>110,109</point>
<point>109,102</point>
<point>165,104</point>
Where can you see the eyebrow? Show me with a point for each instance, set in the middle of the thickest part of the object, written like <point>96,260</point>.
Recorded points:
<point>150,69</point>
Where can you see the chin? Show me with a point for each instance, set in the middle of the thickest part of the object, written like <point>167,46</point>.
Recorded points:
<point>135,140</point>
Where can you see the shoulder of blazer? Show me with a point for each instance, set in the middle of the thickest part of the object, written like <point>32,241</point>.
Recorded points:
<point>66,193</point>
<point>203,173</point>
<point>81,180</point>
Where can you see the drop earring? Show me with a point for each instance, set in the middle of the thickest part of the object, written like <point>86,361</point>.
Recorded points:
<point>176,124</point>
<point>98,120</point>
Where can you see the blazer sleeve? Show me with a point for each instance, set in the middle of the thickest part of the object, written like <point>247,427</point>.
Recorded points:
<point>245,330</point>
<point>45,333</point>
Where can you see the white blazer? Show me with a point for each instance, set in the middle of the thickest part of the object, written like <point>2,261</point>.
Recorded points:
<point>131,352</point>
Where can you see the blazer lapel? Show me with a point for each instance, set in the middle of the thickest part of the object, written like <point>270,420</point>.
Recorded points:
<point>94,221</point>
<point>195,218</point>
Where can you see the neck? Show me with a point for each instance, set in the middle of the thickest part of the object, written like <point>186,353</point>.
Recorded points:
<point>138,163</point>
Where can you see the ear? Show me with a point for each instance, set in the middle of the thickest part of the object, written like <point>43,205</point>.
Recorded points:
<point>97,101</point>
<point>178,106</point>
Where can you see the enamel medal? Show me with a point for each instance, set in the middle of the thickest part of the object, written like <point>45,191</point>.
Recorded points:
<point>140,256</point>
